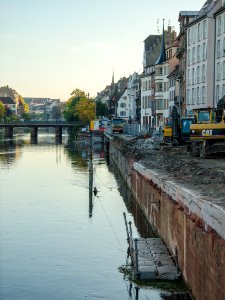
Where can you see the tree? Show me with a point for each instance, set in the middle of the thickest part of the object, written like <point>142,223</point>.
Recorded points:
<point>78,93</point>
<point>69,110</point>
<point>23,106</point>
<point>101,108</point>
<point>85,110</point>
<point>2,110</point>
<point>56,112</point>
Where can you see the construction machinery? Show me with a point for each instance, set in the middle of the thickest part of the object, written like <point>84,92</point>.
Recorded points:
<point>208,134</point>
<point>177,129</point>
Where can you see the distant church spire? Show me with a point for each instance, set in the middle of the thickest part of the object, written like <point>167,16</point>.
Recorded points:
<point>162,55</point>
<point>113,77</point>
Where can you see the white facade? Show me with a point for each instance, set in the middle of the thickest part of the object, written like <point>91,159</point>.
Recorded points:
<point>161,93</point>
<point>146,95</point>
<point>201,62</point>
<point>123,106</point>
<point>172,93</point>
<point>219,91</point>
<point>132,89</point>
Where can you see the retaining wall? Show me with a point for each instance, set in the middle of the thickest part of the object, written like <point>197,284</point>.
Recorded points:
<point>185,221</point>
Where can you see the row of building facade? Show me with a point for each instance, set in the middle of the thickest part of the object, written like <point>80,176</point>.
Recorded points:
<point>10,98</point>
<point>186,70</point>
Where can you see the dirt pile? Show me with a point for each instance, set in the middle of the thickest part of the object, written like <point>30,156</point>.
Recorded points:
<point>205,176</point>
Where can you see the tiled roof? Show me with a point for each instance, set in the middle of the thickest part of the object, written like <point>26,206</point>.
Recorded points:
<point>7,100</point>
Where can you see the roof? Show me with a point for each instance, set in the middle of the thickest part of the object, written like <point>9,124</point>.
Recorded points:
<point>209,6</point>
<point>7,100</point>
<point>187,13</point>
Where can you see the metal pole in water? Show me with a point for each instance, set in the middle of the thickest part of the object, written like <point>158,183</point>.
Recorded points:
<point>126,227</point>
<point>130,229</point>
<point>136,259</point>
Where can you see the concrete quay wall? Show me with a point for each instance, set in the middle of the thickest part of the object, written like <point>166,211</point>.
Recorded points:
<point>190,226</point>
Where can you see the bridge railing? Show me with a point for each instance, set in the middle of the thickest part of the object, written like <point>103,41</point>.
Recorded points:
<point>29,123</point>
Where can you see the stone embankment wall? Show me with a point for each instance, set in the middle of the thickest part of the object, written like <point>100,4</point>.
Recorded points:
<point>189,225</point>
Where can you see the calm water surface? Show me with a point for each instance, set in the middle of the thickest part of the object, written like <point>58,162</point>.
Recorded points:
<point>50,248</point>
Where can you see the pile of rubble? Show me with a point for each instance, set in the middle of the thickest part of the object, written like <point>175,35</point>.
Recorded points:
<point>206,176</point>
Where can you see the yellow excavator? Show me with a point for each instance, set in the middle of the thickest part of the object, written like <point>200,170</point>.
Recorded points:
<point>207,135</point>
<point>177,129</point>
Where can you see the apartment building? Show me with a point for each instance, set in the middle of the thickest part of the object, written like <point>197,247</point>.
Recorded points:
<point>201,58</point>
<point>219,84</point>
<point>185,17</point>
<point>151,52</point>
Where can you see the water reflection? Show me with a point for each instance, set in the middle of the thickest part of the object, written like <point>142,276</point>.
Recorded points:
<point>59,239</point>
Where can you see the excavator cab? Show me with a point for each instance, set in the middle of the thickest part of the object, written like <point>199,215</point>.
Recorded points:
<point>177,130</point>
<point>220,111</point>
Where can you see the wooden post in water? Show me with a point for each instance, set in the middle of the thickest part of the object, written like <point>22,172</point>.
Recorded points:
<point>9,132</point>
<point>90,177</point>
<point>136,259</point>
<point>125,219</point>
<point>34,134</point>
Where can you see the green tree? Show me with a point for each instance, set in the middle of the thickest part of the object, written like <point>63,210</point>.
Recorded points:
<point>78,93</point>
<point>2,110</point>
<point>23,106</point>
<point>69,109</point>
<point>56,112</point>
<point>101,108</point>
<point>85,110</point>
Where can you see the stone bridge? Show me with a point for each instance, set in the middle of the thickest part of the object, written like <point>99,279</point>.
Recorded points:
<point>34,125</point>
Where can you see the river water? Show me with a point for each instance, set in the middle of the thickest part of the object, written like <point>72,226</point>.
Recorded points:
<point>53,243</point>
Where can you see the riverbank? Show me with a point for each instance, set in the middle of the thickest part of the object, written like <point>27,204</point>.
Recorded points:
<point>183,199</point>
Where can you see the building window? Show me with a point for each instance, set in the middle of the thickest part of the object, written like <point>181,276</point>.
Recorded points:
<point>160,87</point>
<point>203,94</point>
<point>203,73</point>
<point>189,57</point>
<point>122,105</point>
<point>199,31</point>
<point>218,71</point>
<point>198,74</point>
<point>193,33</point>
<point>217,93</point>
<point>193,55</point>
<point>146,101</point>
<point>204,51</point>
<point>188,96</point>
<point>164,86</point>
<point>193,76</point>
<point>198,95</point>
<point>193,96</point>
<point>149,102</point>
<point>218,49</point>
<point>204,29</point>
<point>189,37</point>
<point>219,27</point>
<point>223,92</point>
<point>188,77</point>
<point>198,53</point>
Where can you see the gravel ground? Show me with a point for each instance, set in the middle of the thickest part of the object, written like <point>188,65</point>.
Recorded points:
<point>205,176</point>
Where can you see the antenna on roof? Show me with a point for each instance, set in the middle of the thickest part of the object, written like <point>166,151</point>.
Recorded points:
<point>157,25</point>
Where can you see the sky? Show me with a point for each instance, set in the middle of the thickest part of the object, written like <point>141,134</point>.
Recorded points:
<point>48,48</point>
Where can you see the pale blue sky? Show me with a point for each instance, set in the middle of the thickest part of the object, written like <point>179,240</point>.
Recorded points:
<point>50,47</point>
